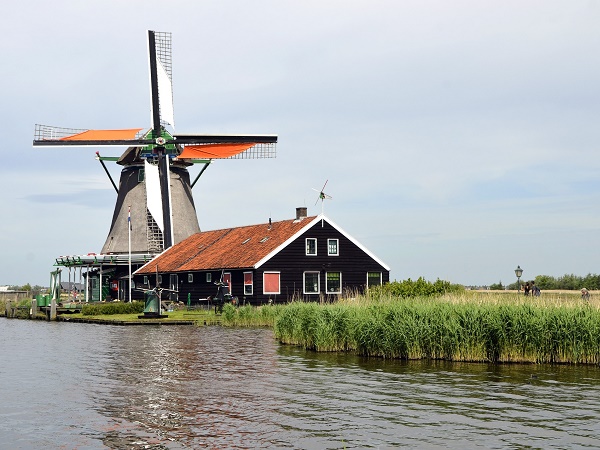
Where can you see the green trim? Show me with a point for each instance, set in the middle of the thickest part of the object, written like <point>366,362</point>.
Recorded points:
<point>109,158</point>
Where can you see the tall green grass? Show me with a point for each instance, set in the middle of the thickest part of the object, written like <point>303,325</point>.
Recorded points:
<point>454,327</point>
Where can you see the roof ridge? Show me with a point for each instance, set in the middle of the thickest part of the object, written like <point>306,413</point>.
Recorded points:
<point>308,218</point>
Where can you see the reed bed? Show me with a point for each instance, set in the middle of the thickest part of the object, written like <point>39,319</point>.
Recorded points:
<point>460,327</point>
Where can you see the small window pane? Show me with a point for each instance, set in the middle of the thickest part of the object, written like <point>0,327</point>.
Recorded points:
<point>248,285</point>
<point>190,277</point>
<point>334,282</point>
<point>208,277</point>
<point>311,246</point>
<point>373,279</point>
<point>332,247</point>
<point>311,283</point>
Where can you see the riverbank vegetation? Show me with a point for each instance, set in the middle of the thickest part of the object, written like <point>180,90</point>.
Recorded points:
<point>458,326</point>
<point>419,320</point>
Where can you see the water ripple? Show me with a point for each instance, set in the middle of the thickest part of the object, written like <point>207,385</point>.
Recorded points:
<point>86,386</point>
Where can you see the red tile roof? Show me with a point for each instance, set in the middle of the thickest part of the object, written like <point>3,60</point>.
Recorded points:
<point>230,248</point>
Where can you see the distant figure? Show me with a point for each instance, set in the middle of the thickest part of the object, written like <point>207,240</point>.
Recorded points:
<point>526,288</point>
<point>535,291</point>
<point>585,294</point>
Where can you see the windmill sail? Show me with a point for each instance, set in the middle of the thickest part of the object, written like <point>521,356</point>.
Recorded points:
<point>162,56</point>
<point>153,197</point>
<point>154,179</point>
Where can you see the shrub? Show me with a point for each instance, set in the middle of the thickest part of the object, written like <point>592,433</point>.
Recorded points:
<point>99,309</point>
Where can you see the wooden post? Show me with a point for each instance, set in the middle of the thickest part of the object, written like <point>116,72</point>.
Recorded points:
<point>34,309</point>
<point>53,309</point>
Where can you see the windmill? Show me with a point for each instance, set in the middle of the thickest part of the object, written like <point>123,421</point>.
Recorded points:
<point>154,179</point>
<point>322,196</point>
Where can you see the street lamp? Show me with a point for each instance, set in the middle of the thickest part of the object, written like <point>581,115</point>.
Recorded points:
<point>518,273</point>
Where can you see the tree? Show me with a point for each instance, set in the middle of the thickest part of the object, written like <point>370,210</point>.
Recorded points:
<point>497,286</point>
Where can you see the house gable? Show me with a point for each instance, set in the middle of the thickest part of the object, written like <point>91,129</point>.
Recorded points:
<point>319,220</point>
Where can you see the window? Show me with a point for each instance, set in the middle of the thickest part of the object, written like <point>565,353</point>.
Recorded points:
<point>271,283</point>
<point>311,246</point>
<point>145,279</point>
<point>333,247</point>
<point>227,280</point>
<point>334,283</point>
<point>248,285</point>
<point>159,279</point>
<point>208,277</point>
<point>373,279</point>
<point>190,277</point>
<point>311,283</point>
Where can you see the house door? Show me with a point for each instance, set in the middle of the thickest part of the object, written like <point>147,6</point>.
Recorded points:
<point>173,286</point>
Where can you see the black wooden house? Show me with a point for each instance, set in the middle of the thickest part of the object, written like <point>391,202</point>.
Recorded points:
<point>308,258</point>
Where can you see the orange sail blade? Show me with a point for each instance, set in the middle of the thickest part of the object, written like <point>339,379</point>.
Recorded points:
<point>103,135</point>
<point>214,151</point>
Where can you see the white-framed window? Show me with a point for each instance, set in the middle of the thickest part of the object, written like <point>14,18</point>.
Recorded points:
<point>333,282</point>
<point>208,277</point>
<point>146,279</point>
<point>373,279</point>
<point>190,277</point>
<point>333,247</point>
<point>227,280</point>
<point>311,246</point>
<point>312,284</point>
<point>248,283</point>
<point>271,282</point>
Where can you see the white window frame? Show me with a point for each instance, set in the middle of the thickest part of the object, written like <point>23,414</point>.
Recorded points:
<point>208,277</point>
<point>380,279</point>
<point>145,279</point>
<point>337,247</point>
<point>227,276</point>
<point>318,291</point>
<point>190,277</point>
<point>326,284</point>
<point>278,282</point>
<point>306,246</point>
<point>251,285</point>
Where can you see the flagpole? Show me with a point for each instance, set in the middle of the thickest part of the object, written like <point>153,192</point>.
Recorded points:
<point>129,233</point>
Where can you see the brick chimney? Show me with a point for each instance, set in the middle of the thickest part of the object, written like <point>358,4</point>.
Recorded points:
<point>301,213</point>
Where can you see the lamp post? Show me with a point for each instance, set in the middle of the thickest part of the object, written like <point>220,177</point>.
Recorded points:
<point>518,273</point>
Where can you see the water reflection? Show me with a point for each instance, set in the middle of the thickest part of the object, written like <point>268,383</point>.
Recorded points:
<point>187,387</point>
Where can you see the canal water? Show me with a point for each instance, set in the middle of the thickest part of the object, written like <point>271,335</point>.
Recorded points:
<point>82,386</point>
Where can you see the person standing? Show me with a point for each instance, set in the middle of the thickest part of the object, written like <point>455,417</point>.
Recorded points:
<point>526,288</point>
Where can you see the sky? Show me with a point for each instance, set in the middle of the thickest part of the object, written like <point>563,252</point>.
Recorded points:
<point>458,139</point>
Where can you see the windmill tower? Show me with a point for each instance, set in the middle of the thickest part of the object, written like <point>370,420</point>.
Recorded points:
<point>154,188</point>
